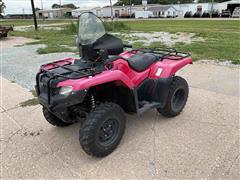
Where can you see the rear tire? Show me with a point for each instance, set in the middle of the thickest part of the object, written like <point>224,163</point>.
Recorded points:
<point>177,98</point>
<point>52,119</point>
<point>103,129</point>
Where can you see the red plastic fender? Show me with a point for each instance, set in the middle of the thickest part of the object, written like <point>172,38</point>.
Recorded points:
<point>167,68</point>
<point>104,77</point>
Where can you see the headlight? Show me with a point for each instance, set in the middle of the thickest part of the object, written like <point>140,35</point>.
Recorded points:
<point>65,90</point>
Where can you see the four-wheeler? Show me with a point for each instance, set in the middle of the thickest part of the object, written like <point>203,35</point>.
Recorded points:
<point>4,30</point>
<point>106,82</point>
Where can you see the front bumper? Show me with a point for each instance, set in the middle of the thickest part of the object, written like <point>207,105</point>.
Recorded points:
<point>59,103</point>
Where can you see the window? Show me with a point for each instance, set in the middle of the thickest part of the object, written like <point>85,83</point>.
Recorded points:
<point>199,8</point>
<point>162,12</point>
<point>168,12</point>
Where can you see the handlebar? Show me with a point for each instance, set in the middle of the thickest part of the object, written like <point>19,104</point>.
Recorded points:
<point>127,46</point>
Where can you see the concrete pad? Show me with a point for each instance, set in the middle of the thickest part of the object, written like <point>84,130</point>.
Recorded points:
<point>189,150</point>
<point>32,120</point>
<point>219,79</point>
<point>13,94</point>
<point>131,160</point>
<point>27,158</point>
<point>234,172</point>
<point>211,108</point>
<point>8,127</point>
<point>226,166</point>
<point>1,109</point>
<point>29,117</point>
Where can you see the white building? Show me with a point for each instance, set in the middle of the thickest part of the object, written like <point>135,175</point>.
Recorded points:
<point>54,13</point>
<point>231,5</point>
<point>205,7</point>
<point>163,11</point>
<point>143,14</point>
<point>121,11</point>
<point>193,7</point>
<point>172,10</point>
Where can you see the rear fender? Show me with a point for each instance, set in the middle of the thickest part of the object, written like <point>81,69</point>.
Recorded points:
<point>167,68</point>
<point>104,77</point>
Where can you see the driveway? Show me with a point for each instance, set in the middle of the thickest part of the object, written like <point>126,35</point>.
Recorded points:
<point>202,142</point>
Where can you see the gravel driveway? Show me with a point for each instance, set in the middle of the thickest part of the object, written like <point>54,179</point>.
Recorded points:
<point>20,63</point>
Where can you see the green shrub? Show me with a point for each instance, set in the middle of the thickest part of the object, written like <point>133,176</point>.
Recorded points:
<point>71,28</point>
<point>116,26</point>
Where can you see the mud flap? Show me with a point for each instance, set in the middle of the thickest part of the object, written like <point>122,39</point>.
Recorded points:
<point>154,91</point>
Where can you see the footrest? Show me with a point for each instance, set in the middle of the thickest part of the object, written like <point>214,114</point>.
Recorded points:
<point>147,106</point>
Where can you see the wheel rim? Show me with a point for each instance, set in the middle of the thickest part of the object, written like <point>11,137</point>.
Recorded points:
<point>178,99</point>
<point>108,132</point>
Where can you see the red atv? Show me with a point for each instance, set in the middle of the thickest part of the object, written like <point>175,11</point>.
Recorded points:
<point>106,82</point>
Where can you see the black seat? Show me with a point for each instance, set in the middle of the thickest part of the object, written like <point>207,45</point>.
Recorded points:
<point>140,62</point>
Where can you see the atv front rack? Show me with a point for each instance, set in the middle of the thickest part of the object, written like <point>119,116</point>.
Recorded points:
<point>80,73</point>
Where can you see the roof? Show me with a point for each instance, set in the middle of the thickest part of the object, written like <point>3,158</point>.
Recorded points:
<point>231,2</point>
<point>85,9</point>
<point>57,9</point>
<point>160,8</point>
<point>19,15</point>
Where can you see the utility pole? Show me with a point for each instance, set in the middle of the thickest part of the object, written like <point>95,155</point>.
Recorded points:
<point>211,9</point>
<point>60,2</point>
<point>130,8</point>
<point>42,4</point>
<point>111,10</point>
<point>34,15</point>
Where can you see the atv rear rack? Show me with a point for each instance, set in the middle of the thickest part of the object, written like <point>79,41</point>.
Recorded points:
<point>164,54</point>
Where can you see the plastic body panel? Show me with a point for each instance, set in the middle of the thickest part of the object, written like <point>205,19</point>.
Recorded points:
<point>123,73</point>
<point>120,73</point>
<point>169,67</point>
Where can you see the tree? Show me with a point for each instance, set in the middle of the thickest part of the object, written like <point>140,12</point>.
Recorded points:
<point>217,1</point>
<point>2,7</point>
<point>71,6</point>
<point>37,9</point>
<point>56,6</point>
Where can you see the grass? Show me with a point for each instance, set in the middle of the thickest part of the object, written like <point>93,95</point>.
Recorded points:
<point>61,40</point>
<point>116,26</point>
<point>30,102</point>
<point>55,40</point>
<point>27,22</point>
<point>222,37</point>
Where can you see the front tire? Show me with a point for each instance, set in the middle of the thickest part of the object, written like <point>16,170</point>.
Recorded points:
<point>103,129</point>
<point>177,98</point>
<point>52,119</point>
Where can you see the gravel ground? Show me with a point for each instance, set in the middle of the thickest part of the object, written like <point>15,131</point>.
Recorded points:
<point>54,26</point>
<point>20,64</point>
<point>166,38</point>
<point>10,42</point>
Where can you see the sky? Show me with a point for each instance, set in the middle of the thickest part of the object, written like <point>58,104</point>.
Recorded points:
<point>24,6</point>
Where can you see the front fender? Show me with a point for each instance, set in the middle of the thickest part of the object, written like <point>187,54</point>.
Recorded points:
<point>104,77</point>
<point>167,68</point>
